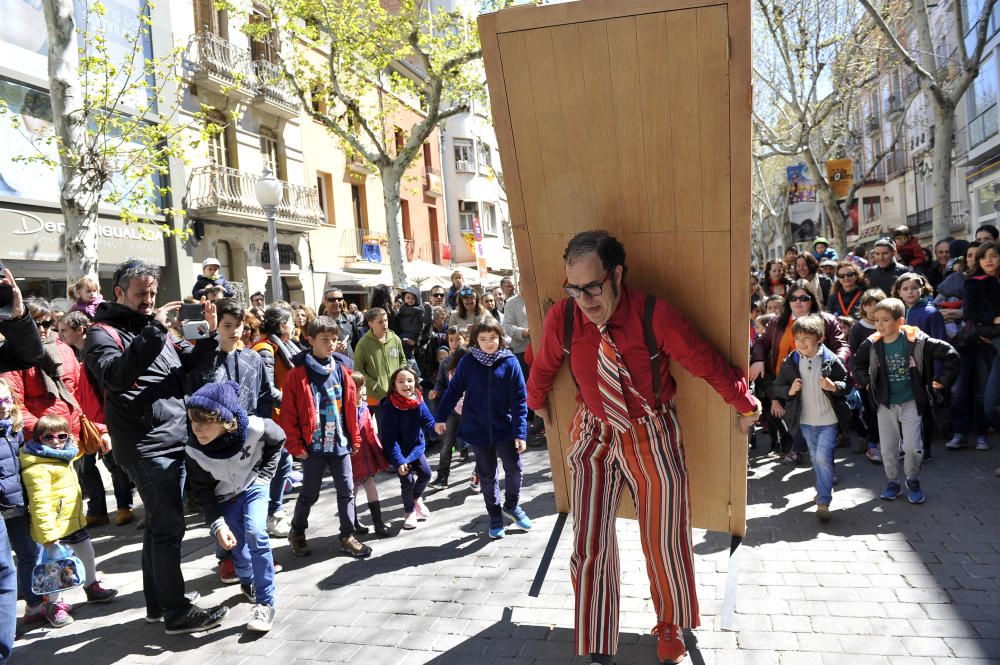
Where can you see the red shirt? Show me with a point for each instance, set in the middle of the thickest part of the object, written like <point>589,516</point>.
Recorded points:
<point>678,340</point>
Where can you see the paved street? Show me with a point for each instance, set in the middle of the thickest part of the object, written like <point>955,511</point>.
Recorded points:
<point>883,583</point>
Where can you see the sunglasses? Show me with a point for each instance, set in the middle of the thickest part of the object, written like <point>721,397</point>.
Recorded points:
<point>48,323</point>
<point>847,275</point>
<point>800,298</point>
<point>62,436</point>
<point>437,295</point>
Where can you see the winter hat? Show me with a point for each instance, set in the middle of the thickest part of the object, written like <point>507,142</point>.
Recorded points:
<point>211,261</point>
<point>820,240</point>
<point>222,399</point>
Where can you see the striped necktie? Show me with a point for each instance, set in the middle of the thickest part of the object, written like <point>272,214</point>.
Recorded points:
<point>610,372</point>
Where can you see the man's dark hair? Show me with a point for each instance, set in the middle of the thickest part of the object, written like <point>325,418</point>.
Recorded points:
<point>275,316</point>
<point>257,293</point>
<point>76,320</point>
<point>131,269</point>
<point>989,228</point>
<point>885,242</point>
<point>230,306</point>
<point>322,324</point>
<point>608,249</point>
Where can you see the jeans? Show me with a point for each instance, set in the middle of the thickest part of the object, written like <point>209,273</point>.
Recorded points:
<point>160,482</point>
<point>489,478</point>
<point>278,482</point>
<point>892,419</point>
<point>822,440</point>
<point>313,468</point>
<point>93,484</point>
<point>8,595</point>
<point>449,440</point>
<point>27,551</point>
<point>415,482</point>
<point>991,403</point>
<point>246,517</point>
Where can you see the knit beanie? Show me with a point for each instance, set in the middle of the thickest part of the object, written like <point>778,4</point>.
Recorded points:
<point>222,399</point>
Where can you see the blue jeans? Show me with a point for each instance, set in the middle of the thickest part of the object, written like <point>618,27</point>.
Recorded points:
<point>313,468</point>
<point>991,405</point>
<point>246,516</point>
<point>27,551</point>
<point>8,595</point>
<point>160,482</point>
<point>821,439</point>
<point>278,482</point>
<point>415,482</point>
<point>489,476</point>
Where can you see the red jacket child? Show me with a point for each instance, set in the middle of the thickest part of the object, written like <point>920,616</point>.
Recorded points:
<point>298,411</point>
<point>911,254</point>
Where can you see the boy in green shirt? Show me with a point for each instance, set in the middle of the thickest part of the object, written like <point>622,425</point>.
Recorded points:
<point>378,354</point>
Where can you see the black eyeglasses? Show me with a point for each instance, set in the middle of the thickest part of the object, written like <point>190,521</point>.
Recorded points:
<point>48,323</point>
<point>847,275</point>
<point>61,436</point>
<point>593,289</point>
<point>437,295</point>
<point>800,298</point>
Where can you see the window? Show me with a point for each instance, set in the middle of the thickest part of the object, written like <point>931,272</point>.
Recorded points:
<point>220,145</point>
<point>467,212</point>
<point>269,152</point>
<point>872,207</point>
<point>358,205</point>
<point>209,19</point>
<point>266,49</point>
<point>324,185</point>
<point>973,8</point>
<point>489,219</point>
<point>988,200</point>
<point>465,159</point>
<point>508,233</point>
<point>485,157</point>
<point>983,103</point>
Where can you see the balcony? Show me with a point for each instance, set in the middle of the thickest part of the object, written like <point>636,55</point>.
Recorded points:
<point>222,194</point>
<point>215,64</point>
<point>873,123</point>
<point>920,221</point>
<point>895,163</point>
<point>275,94</point>
<point>432,182</point>
<point>358,166</point>
<point>958,218</point>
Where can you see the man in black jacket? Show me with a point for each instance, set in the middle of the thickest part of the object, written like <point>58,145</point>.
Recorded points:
<point>134,359</point>
<point>335,305</point>
<point>884,271</point>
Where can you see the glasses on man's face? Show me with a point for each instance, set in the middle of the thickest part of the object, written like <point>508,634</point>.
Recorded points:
<point>847,275</point>
<point>61,436</point>
<point>437,295</point>
<point>47,323</point>
<point>593,289</point>
<point>800,298</point>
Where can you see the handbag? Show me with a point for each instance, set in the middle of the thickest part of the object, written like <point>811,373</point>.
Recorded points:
<point>52,575</point>
<point>90,436</point>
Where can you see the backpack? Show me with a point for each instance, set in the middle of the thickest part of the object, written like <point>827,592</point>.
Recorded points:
<point>92,395</point>
<point>647,328</point>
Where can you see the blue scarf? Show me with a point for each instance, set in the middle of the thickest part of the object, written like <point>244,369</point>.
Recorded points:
<point>39,449</point>
<point>321,367</point>
<point>489,359</point>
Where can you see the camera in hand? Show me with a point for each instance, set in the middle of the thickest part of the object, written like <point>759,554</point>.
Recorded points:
<point>193,323</point>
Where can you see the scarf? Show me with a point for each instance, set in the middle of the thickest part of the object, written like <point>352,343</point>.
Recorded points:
<point>406,403</point>
<point>281,349</point>
<point>489,359</point>
<point>49,367</point>
<point>227,445</point>
<point>39,449</point>
<point>318,366</point>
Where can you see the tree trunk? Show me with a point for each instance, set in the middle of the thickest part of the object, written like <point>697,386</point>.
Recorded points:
<point>79,196</point>
<point>944,126</point>
<point>838,227</point>
<point>391,178</point>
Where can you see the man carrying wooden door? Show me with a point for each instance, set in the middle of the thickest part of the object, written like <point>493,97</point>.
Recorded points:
<point>626,435</point>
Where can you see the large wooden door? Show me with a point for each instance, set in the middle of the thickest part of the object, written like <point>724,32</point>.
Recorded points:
<point>634,116</point>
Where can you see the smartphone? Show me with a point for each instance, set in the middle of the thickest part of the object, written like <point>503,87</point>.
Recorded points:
<point>6,298</point>
<point>195,330</point>
<point>192,312</point>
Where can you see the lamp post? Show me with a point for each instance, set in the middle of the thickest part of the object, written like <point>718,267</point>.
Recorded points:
<point>269,190</point>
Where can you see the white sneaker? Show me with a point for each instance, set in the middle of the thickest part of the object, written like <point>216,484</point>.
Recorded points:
<point>957,441</point>
<point>261,618</point>
<point>411,521</point>
<point>981,443</point>
<point>421,510</point>
<point>278,524</point>
<point>474,484</point>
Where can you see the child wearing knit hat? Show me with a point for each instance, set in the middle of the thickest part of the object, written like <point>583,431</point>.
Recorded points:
<point>231,458</point>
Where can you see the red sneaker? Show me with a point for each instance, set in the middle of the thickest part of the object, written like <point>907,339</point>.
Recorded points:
<point>670,647</point>
<point>227,572</point>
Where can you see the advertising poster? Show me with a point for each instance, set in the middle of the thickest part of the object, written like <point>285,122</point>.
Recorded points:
<point>804,209</point>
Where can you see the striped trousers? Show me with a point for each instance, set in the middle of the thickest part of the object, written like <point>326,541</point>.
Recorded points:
<point>648,460</point>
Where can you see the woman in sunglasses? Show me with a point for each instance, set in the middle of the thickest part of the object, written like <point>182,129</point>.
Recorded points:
<point>470,309</point>
<point>776,343</point>
<point>845,297</point>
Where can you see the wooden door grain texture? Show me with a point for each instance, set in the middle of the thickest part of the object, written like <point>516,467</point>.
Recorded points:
<point>634,116</point>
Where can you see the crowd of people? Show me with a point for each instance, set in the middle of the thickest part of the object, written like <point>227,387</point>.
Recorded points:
<point>207,405</point>
<point>880,351</point>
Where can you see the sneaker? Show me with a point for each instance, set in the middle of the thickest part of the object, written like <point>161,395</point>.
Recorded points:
<point>874,455</point>
<point>913,492</point>
<point>519,516</point>
<point>981,443</point>
<point>791,458</point>
<point>670,648</point>
<point>155,616</point>
<point>124,516</point>
<point>354,547</point>
<point>474,484</point>
<point>440,482</point>
<point>278,524</point>
<point>98,594</point>
<point>227,572</point>
<point>496,528</point>
<point>97,520</point>
<point>197,620</point>
<point>891,491</point>
<point>58,614</point>
<point>957,441</point>
<point>261,619</point>
<point>34,614</point>
<point>421,510</point>
<point>463,455</point>
<point>411,521</point>
<point>249,591</point>
<point>823,512</point>
<point>297,539</point>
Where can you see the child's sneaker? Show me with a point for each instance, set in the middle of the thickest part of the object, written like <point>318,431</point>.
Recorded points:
<point>34,614</point>
<point>519,516</point>
<point>957,441</point>
<point>421,510</point>
<point>496,528</point>
<point>58,615</point>
<point>227,572</point>
<point>297,539</point>
<point>278,524</point>
<point>411,521</point>
<point>261,619</point>
<point>98,594</point>
<point>874,455</point>
<point>981,443</point>
<point>249,591</point>
<point>474,484</point>
<point>914,493</point>
<point>891,491</point>
<point>354,547</point>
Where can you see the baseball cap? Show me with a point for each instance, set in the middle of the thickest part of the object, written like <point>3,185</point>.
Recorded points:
<point>211,261</point>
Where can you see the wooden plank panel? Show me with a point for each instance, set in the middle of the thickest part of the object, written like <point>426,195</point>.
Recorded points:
<point>713,87</point>
<point>717,297</point>
<point>530,17</point>
<point>685,117</point>
<point>656,103</point>
<point>626,92</point>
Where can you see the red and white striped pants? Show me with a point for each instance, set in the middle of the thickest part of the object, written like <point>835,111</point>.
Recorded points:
<point>648,460</point>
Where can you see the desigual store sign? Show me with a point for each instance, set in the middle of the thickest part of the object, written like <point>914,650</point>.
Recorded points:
<point>38,236</point>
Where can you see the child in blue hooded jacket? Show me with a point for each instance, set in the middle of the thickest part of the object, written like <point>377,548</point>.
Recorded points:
<point>405,421</point>
<point>494,419</point>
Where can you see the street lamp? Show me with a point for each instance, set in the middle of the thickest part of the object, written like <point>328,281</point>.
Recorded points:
<point>269,190</point>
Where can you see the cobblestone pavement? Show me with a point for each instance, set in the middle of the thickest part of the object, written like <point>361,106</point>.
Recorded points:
<point>882,583</point>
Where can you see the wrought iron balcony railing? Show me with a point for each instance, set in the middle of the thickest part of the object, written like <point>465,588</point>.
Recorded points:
<point>223,192</point>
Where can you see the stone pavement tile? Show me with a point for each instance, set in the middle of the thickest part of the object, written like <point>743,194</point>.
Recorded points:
<point>892,627</point>
<point>988,629</point>
<point>965,661</point>
<point>854,659</point>
<point>841,625</point>
<point>871,644</point>
<point>974,648</point>
<point>926,646</point>
<point>943,628</point>
<point>957,612</point>
<point>819,642</point>
<point>734,657</point>
<point>830,593</point>
<point>855,609</point>
<point>773,641</point>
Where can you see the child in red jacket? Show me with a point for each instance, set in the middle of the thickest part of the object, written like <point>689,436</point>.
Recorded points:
<point>368,462</point>
<point>909,250</point>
